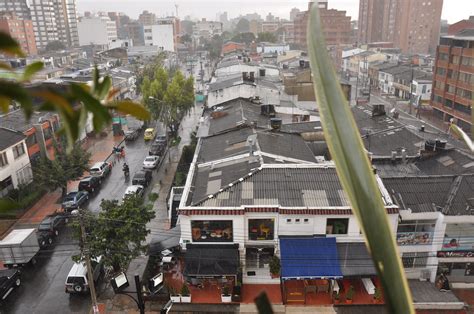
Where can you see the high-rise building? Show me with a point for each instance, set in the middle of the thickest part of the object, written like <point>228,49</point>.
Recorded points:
<point>21,30</point>
<point>97,30</point>
<point>19,7</point>
<point>453,79</point>
<point>135,33</point>
<point>412,25</point>
<point>147,18</point>
<point>336,25</point>
<point>293,13</point>
<point>54,21</point>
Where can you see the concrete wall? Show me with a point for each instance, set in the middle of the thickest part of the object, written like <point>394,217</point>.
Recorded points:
<point>270,96</point>
<point>93,31</point>
<point>19,169</point>
<point>160,35</point>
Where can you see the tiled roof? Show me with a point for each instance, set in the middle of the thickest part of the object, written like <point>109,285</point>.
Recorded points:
<point>225,145</point>
<point>9,138</point>
<point>450,162</point>
<point>452,195</point>
<point>288,187</point>
<point>302,127</point>
<point>16,120</point>
<point>285,145</point>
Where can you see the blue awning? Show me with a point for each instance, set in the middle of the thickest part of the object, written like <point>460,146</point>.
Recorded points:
<point>306,258</point>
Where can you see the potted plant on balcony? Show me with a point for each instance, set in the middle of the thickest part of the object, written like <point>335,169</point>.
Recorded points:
<point>377,295</point>
<point>336,297</point>
<point>350,295</point>
<point>275,267</point>
<point>226,297</point>
<point>174,296</point>
<point>185,294</point>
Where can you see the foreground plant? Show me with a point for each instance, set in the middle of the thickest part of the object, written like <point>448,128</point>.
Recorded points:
<point>355,172</point>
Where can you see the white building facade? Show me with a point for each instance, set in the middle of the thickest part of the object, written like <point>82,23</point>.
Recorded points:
<point>161,36</point>
<point>100,30</point>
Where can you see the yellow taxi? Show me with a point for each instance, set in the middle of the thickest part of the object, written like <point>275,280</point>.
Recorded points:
<point>149,134</point>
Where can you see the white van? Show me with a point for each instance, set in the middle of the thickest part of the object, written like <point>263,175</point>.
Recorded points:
<point>77,281</point>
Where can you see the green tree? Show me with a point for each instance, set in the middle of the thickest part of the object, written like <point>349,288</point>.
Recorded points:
<point>187,26</point>
<point>119,231</point>
<point>245,38</point>
<point>243,26</point>
<point>266,37</point>
<point>54,46</point>
<point>186,38</point>
<point>56,173</point>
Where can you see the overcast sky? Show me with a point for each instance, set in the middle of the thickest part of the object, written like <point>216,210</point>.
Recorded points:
<point>453,10</point>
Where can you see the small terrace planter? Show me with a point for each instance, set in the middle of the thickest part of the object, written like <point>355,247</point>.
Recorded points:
<point>226,297</point>
<point>175,297</point>
<point>185,294</point>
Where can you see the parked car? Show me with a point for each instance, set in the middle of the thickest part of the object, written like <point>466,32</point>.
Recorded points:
<point>100,169</point>
<point>142,177</point>
<point>77,282</point>
<point>131,135</point>
<point>9,280</point>
<point>90,184</point>
<point>156,149</point>
<point>136,190</point>
<point>74,200</point>
<point>149,134</point>
<point>151,162</point>
<point>49,228</point>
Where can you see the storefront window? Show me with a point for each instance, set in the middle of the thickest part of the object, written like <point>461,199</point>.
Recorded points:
<point>337,226</point>
<point>212,230</point>
<point>415,232</point>
<point>456,269</point>
<point>261,229</point>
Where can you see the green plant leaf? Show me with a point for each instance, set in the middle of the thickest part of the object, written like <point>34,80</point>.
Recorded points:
<point>5,66</point>
<point>54,102</point>
<point>103,88</point>
<point>32,69</point>
<point>355,172</point>
<point>132,108</point>
<point>14,91</point>
<point>101,115</point>
<point>463,136</point>
<point>10,46</point>
<point>7,205</point>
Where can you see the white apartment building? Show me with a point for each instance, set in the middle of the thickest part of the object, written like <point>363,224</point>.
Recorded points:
<point>15,167</point>
<point>161,36</point>
<point>207,29</point>
<point>97,30</point>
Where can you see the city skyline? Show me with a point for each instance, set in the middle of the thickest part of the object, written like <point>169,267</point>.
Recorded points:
<point>209,9</point>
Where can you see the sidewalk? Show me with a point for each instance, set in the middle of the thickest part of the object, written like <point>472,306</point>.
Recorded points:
<point>99,148</point>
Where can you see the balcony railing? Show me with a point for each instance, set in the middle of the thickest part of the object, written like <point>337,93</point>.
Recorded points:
<point>414,238</point>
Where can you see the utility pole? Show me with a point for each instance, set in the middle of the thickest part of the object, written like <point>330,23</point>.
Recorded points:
<point>90,276</point>
<point>411,87</point>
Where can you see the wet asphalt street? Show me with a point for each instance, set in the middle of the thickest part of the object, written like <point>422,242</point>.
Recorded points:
<point>42,289</point>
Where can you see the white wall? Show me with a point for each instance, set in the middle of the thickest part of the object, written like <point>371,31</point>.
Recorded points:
<point>419,89</point>
<point>14,167</point>
<point>273,48</point>
<point>239,68</point>
<point>160,36</point>
<point>268,96</point>
<point>93,31</point>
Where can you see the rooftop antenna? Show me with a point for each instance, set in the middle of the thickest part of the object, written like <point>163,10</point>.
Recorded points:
<point>176,6</point>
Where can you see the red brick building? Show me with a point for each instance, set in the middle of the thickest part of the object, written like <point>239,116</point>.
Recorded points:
<point>336,25</point>
<point>455,28</point>
<point>21,30</point>
<point>453,80</point>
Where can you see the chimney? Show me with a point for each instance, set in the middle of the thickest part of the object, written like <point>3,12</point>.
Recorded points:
<point>404,155</point>
<point>275,123</point>
<point>393,156</point>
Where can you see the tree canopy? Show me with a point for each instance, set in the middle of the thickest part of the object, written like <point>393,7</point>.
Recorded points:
<point>243,26</point>
<point>56,173</point>
<point>246,38</point>
<point>266,37</point>
<point>118,232</point>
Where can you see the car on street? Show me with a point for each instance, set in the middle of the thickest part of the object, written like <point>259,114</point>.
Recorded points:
<point>49,228</point>
<point>157,149</point>
<point>149,134</point>
<point>131,135</point>
<point>74,200</point>
<point>90,184</point>
<point>142,177</point>
<point>9,280</point>
<point>151,162</point>
<point>100,169</point>
<point>136,190</point>
<point>77,281</point>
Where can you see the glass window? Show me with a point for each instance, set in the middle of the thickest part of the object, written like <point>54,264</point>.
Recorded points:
<point>415,259</point>
<point>18,150</point>
<point>455,59</point>
<point>3,159</point>
<point>261,229</point>
<point>288,221</point>
<point>47,133</point>
<point>212,230</point>
<point>442,56</point>
<point>337,225</point>
<point>458,237</point>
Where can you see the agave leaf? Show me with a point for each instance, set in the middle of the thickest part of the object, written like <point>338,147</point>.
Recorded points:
<point>32,69</point>
<point>354,171</point>
<point>463,135</point>
<point>10,46</point>
<point>129,107</point>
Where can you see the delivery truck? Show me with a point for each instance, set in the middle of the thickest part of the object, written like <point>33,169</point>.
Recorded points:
<point>19,247</point>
